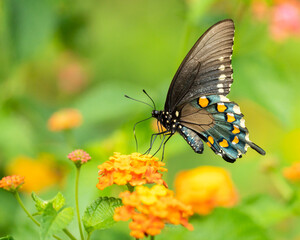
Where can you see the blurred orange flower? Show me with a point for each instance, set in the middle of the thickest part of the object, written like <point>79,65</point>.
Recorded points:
<point>205,188</point>
<point>293,172</point>
<point>150,209</point>
<point>65,119</point>
<point>11,183</point>
<point>40,173</point>
<point>134,169</point>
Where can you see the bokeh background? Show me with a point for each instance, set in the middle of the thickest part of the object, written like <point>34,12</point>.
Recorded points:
<point>86,55</point>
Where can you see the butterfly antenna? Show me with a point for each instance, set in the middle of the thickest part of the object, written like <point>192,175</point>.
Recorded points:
<point>136,141</point>
<point>138,100</point>
<point>150,98</point>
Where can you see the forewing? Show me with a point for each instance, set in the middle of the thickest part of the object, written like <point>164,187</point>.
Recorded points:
<point>206,69</point>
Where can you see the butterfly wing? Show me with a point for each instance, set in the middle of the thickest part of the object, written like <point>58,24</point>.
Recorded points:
<point>219,123</point>
<point>206,69</point>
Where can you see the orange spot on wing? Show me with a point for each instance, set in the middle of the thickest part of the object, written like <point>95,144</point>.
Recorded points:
<point>210,139</point>
<point>221,107</point>
<point>203,102</point>
<point>230,118</point>
<point>208,144</point>
<point>235,140</point>
<point>236,130</point>
<point>224,143</point>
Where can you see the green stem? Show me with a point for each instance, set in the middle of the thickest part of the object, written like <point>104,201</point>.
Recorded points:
<point>151,237</point>
<point>89,235</point>
<point>66,231</point>
<point>69,136</point>
<point>76,201</point>
<point>283,188</point>
<point>16,194</point>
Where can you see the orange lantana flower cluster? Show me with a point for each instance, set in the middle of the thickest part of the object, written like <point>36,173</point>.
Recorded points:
<point>65,119</point>
<point>134,169</point>
<point>293,172</point>
<point>150,209</point>
<point>11,183</point>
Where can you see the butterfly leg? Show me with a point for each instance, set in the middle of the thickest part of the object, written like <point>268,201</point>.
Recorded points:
<point>163,139</point>
<point>164,145</point>
<point>152,140</point>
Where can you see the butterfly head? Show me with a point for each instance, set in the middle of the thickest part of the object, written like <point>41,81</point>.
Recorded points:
<point>157,114</point>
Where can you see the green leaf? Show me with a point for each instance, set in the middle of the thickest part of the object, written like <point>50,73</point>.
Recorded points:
<point>265,210</point>
<point>53,221</point>
<point>32,24</point>
<point>221,224</point>
<point>7,238</point>
<point>99,215</point>
<point>57,202</point>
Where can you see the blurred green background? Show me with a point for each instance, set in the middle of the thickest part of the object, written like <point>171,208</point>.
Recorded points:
<point>86,55</point>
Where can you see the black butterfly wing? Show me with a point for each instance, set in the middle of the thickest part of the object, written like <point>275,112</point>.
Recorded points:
<point>206,69</point>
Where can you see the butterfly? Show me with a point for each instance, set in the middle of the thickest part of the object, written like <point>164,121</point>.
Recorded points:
<point>197,107</point>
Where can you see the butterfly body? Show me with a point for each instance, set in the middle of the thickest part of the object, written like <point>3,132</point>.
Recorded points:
<point>196,104</point>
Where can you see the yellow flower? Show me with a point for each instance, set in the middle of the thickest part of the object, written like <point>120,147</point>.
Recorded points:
<point>65,119</point>
<point>39,173</point>
<point>11,183</point>
<point>151,209</point>
<point>205,188</point>
<point>293,172</point>
<point>134,169</point>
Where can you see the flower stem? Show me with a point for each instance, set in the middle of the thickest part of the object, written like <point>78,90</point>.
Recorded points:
<point>89,235</point>
<point>17,196</point>
<point>76,202</point>
<point>66,231</point>
<point>151,237</point>
<point>69,136</point>
<point>282,187</point>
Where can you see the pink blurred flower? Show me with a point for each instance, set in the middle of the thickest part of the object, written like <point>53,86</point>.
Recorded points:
<point>72,74</point>
<point>283,17</point>
<point>285,20</point>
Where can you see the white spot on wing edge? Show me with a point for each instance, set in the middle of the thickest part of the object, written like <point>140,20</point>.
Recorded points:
<point>236,109</point>
<point>242,123</point>
<point>247,137</point>
<point>220,85</point>
<point>221,90</point>
<point>222,67</point>
<point>224,99</point>
<point>222,77</point>
<point>221,59</point>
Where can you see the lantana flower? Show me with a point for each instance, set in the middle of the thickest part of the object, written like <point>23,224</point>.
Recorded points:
<point>79,156</point>
<point>65,119</point>
<point>134,169</point>
<point>205,188</point>
<point>151,209</point>
<point>12,183</point>
<point>292,173</point>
